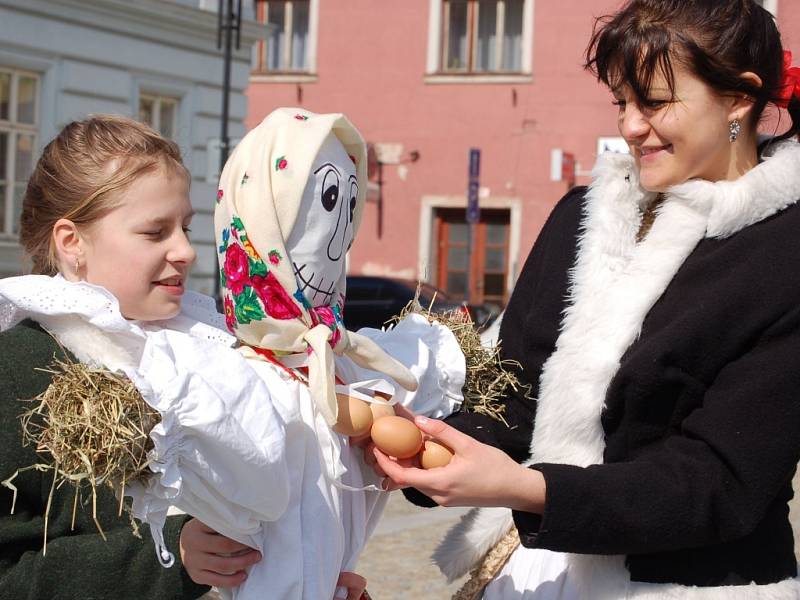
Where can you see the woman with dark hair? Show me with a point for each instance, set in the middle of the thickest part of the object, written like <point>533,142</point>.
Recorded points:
<point>657,320</point>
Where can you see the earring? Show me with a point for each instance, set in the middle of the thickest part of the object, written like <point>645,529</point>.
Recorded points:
<point>734,127</point>
<point>77,264</point>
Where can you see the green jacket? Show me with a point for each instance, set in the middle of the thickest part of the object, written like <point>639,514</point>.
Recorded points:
<point>78,564</point>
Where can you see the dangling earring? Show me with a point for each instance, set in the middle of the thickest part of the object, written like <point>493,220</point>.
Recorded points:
<point>734,127</point>
<point>77,264</point>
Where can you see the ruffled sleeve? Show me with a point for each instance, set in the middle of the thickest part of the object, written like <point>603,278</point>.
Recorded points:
<point>431,352</point>
<point>219,449</point>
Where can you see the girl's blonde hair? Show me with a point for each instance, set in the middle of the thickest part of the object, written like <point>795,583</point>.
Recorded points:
<point>79,174</point>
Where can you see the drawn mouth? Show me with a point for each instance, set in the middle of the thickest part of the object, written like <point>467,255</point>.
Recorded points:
<point>308,283</point>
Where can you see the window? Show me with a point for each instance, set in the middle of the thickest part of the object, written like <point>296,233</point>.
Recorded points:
<point>19,115</point>
<point>288,44</point>
<point>482,36</point>
<point>160,112</point>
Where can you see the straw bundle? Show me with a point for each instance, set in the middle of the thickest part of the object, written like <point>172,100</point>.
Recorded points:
<point>94,425</point>
<point>487,378</point>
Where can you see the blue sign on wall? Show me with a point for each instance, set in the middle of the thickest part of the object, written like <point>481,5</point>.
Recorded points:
<point>473,208</point>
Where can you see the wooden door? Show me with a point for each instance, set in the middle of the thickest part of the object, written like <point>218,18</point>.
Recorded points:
<point>488,268</point>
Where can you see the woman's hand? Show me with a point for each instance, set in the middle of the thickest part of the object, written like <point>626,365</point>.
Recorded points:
<point>477,475</point>
<point>212,559</point>
<point>355,584</point>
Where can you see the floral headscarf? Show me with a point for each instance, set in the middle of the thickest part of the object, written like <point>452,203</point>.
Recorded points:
<point>258,201</point>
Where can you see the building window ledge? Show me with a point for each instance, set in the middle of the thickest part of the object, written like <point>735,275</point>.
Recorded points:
<point>473,78</point>
<point>261,77</point>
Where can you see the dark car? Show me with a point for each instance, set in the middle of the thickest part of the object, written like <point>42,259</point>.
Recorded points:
<point>371,301</point>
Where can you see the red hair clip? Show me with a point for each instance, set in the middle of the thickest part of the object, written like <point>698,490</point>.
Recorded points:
<point>790,87</point>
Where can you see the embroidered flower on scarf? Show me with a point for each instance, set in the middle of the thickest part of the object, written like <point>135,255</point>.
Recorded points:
<point>281,163</point>
<point>248,247</point>
<point>236,268</point>
<point>245,177</point>
<point>327,316</point>
<point>277,303</point>
<point>300,117</point>
<point>230,315</point>
<point>300,297</point>
<point>274,257</point>
<point>220,194</point>
<point>226,235</point>
<point>247,307</point>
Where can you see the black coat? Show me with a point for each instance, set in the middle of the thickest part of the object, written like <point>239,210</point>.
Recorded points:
<point>686,466</point>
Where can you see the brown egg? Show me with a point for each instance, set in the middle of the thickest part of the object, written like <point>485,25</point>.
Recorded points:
<point>396,437</point>
<point>380,408</point>
<point>435,454</point>
<point>355,416</point>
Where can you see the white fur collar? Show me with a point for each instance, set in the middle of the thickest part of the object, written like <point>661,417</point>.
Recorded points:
<point>614,283</point>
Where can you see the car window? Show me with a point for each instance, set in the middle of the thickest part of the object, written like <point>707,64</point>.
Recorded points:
<point>362,289</point>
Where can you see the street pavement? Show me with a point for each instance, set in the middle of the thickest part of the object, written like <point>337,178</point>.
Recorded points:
<point>396,560</point>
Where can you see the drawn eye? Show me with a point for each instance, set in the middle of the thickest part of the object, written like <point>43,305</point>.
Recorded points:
<point>353,195</point>
<point>330,190</point>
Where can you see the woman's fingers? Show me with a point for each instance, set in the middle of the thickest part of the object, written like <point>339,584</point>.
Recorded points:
<point>402,473</point>
<point>458,442</point>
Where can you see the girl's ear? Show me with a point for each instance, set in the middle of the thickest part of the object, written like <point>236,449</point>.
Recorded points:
<point>741,105</point>
<point>69,249</point>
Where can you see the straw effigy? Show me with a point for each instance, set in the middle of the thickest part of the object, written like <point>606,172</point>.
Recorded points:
<point>94,426</point>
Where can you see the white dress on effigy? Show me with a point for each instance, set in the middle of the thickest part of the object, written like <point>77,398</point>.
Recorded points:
<point>241,445</point>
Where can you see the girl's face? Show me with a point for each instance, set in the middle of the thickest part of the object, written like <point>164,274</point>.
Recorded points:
<point>140,251</point>
<point>680,138</point>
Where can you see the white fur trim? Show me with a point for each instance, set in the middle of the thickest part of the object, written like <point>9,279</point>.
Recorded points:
<point>470,539</point>
<point>613,285</point>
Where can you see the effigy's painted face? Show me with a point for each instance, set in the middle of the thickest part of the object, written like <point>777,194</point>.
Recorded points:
<point>323,232</point>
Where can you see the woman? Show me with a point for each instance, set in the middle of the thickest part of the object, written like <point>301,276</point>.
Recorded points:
<point>657,320</point>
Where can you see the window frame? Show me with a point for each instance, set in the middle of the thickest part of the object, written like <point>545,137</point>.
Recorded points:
<point>259,61</point>
<point>13,129</point>
<point>438,45</point>
<point>159,99</point>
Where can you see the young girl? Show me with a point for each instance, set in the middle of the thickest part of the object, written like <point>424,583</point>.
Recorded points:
<point>108,204</point>
<point>657,318</point>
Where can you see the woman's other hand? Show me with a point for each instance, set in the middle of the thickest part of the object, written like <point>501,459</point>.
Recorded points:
<point>477,475</point>
<point>212,559</point>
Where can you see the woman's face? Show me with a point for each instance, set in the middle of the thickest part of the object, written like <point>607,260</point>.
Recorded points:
<point>680,138</point>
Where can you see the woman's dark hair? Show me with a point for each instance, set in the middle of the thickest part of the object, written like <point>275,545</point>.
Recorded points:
<point>717,40</point>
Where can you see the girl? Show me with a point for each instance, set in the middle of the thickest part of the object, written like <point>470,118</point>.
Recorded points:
<point>108,203</point>
<point>657,320</point>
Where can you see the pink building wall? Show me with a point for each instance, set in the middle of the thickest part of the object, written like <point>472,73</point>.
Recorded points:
<point>371,62</point>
